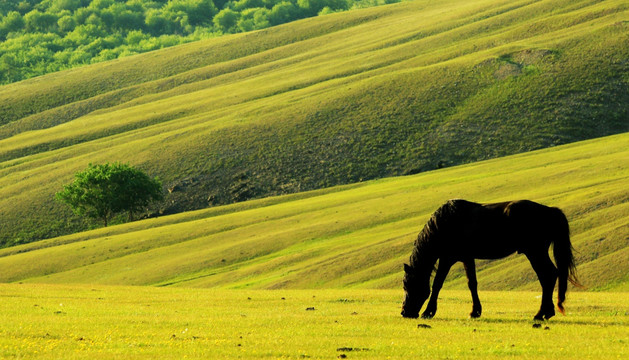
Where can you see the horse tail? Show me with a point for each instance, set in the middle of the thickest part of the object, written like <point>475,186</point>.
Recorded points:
<point>562,249</point>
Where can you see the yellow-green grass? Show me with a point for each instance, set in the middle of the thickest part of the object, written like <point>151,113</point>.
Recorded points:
<point>100,322</point>
<point>330,100</point>
<point>352,236</point>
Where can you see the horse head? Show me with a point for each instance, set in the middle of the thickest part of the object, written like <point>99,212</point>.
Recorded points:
<point>416,289</point>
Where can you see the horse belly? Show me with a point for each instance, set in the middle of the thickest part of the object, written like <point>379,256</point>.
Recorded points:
<point>495,254</point>
<point>490,246</point>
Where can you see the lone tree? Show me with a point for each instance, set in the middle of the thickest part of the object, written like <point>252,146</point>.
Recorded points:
<point>101,191</point>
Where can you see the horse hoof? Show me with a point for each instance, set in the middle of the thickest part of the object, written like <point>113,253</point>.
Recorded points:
<point>410,316</point>
<point>475,314</point>
<point>428,315</point>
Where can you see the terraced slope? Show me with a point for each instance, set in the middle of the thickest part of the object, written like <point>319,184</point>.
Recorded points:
<point>331,100</point>
<point>351,236</point>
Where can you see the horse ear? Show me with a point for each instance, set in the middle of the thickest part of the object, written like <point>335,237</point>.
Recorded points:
<point>407,268</point>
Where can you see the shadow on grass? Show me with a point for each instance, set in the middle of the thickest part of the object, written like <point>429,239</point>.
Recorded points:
<point>525,322</point>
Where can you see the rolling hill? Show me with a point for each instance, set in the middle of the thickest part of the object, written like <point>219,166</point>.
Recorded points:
<point>331,100</point>
<point>354,235</point>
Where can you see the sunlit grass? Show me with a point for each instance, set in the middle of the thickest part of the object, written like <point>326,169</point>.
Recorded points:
<point>94,322</point>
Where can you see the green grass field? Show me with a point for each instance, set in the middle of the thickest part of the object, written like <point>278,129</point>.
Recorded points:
<point>100,322</point>
<point>336,99</point>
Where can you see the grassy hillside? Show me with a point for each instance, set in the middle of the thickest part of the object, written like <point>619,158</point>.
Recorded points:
<point>331,100</point>
<point>352,236</point>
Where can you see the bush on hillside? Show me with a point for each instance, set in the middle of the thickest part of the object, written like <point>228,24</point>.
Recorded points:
<point>101,191</point>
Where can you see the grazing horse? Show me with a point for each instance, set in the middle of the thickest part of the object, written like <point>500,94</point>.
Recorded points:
<point>463,231</point>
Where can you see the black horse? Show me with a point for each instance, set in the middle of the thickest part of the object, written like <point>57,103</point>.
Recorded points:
<point>463,231</point>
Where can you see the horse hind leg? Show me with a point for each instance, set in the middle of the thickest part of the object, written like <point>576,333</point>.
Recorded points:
<point>547,275</point>
<point>470,271</point>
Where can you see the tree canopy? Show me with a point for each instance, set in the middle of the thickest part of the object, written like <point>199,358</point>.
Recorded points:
<point>42,36</point>
<point>102,191</point>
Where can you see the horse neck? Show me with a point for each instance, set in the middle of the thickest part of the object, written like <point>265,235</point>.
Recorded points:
<point>424,257</point>
<point>423,262</point>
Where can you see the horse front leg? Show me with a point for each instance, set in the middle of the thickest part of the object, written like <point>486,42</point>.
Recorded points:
<point>470,271</point>
<point>442,272</point>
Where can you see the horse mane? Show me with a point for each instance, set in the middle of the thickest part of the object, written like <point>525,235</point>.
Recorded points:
<point>424,251</point>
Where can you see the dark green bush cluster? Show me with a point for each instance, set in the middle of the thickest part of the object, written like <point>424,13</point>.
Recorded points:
<point>38,37</point>
<point>103,190</point>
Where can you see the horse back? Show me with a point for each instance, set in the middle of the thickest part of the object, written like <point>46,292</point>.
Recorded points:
<point>530,225</point>
<point>494,230</point>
